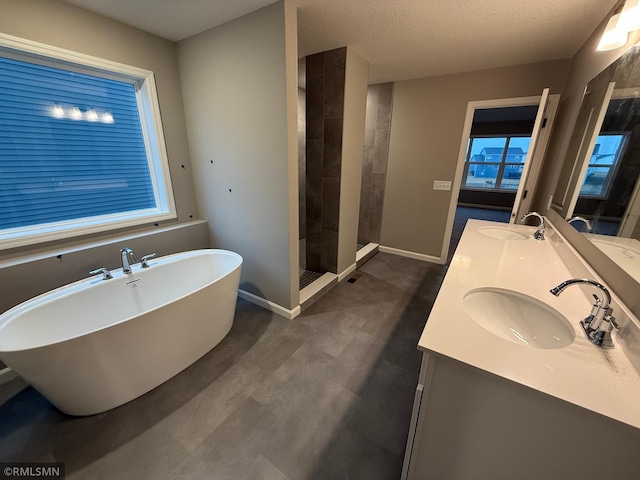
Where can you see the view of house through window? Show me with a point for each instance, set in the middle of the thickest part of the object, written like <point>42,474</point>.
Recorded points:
<point>602,166</point>
<point>76,150</point>
<point>495,163</point>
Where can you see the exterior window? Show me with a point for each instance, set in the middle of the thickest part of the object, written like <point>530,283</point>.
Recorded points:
<point>603,165</point>
<point>495,163</point>
<point>81,147</point>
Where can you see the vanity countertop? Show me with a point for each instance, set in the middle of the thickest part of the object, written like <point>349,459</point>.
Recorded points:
<point>600,380</point>
<point>625,252</point>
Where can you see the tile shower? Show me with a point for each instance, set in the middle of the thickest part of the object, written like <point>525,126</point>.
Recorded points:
<point>325,82</point>
<point>374,161</point>
<point>320,131</point>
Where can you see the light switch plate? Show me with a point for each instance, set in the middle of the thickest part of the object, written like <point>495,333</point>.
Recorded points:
<point>442,185</point>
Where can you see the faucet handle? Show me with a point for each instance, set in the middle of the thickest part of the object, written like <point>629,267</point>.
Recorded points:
<point>612,320</point>
<point>106,274</point>
<point>595,311</point>
<point>145,260</point>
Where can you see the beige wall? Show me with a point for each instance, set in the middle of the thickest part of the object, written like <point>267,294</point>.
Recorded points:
<point>62,25</point>
<point>239,84</point>
<point>355,106</point>
<point>428,118</point>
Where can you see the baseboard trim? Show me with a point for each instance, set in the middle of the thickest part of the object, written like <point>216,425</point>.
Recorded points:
<point>272,307</point>
<point>365,254</point>
<point>486,207</point>
<point>414,255</point>
<point>317,289</point>
<point>7,374</point>
<point>346,272</point>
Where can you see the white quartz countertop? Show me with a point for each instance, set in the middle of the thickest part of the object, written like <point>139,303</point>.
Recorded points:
<point>600,380</point>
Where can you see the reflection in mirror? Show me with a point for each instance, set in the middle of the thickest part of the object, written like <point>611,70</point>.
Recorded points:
<point>599,192</point>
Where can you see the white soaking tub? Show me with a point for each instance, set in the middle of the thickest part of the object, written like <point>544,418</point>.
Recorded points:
<point>95,344</point>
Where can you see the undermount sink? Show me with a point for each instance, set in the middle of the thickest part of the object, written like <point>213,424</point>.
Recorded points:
<point>502,233</point>
<point>619,251</point>
<point>518,318</point>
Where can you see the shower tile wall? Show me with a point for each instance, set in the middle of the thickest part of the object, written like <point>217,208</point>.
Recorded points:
<point>325,80</point>
<point>374,161</point>
<point>302,164</point>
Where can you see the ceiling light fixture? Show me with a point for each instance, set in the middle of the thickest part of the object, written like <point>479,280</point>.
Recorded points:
<point>630,16</point>
<point>91,116</point>
<point>57,111</point>
<point>614,36</point>
<point>75,114</point>
<point>106,117</point>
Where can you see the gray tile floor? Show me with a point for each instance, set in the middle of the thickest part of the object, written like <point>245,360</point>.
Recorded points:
<point>327,395</point>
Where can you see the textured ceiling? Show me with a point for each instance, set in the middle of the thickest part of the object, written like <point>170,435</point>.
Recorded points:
<point>401,39</point>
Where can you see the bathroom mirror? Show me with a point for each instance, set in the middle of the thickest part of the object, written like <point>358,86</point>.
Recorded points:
<point>598,191</point>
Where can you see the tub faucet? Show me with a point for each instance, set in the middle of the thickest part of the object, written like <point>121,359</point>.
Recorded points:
<point>106,274</point>
<point>539,233</point>
<point>581,219</point>
<point>600,322</point>
<point>127,254</point>
<point>144,261</point>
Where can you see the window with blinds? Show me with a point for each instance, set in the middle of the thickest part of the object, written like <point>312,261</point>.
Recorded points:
<point>79,151</point>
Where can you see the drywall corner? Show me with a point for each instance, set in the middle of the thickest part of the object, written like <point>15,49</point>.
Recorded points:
<point>355,105</point>
<point>238,86</point>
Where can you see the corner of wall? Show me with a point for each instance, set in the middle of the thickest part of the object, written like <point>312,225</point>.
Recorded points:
<point>355,105</point>
<point>239,91</point>
<point>291,66</point>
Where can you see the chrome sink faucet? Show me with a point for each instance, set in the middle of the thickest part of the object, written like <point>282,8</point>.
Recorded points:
<point>126,254</point>
<point>600,322</point>
<point>539,233</point>
<point>581,219</point>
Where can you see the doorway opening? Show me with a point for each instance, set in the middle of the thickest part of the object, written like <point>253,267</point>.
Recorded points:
<point>501,153</point>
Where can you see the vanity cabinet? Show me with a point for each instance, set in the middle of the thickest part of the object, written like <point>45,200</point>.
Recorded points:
<point>470,424</point>
<point>497,404</point>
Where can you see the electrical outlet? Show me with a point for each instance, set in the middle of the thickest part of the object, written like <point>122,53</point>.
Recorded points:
<point>442,185</point>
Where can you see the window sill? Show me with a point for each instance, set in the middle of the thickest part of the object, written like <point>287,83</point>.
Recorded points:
<point>77,246</point>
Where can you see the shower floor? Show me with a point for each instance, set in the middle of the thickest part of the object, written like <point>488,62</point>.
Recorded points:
<point>307,277</point>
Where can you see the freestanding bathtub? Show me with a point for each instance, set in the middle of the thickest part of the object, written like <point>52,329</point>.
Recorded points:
<point>95,344</point>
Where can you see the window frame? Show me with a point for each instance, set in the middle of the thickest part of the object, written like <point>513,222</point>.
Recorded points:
<point>613,168</point>
<point>501,165</point>
<point>152,131</point>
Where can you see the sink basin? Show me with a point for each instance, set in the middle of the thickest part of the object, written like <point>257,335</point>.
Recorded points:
<point>502,233</point>
<point>626,256</point>
<point>518,318</point>
<point>619,251</point>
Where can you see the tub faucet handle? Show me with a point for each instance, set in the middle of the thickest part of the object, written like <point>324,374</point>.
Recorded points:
<point>106,274</point>
<point>145,260</point>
